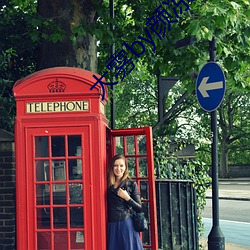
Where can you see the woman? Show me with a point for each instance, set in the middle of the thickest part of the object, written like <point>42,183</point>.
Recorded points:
<point>122,195</point>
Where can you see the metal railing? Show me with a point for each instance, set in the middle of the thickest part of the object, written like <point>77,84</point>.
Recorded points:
<point>176,210</point>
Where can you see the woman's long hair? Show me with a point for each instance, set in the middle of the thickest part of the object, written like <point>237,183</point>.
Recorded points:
<point>111,175</point>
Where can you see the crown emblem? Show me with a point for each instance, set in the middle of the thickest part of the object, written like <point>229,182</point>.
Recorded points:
<point>56,86</point>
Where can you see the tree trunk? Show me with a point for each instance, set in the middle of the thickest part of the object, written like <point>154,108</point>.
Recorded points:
<point>223,166</point>
<point>73,51</point>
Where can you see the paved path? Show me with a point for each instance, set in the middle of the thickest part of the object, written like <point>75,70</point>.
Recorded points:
<point>242,193</point>
<point>235,233</point>
<point>228,246</point>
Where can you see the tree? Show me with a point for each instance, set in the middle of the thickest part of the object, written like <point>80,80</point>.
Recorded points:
<point>68,40</point>
<point>234,117</point>
<point>48,33</point>
<point>66,33</point>
<point>233,141</point>
<point>17,54</point>
<point>228,22</point>
<point>232,35</point>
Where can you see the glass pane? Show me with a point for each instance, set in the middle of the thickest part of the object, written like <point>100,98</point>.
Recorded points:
<point>57,146</point>
<point>42,171</point>
<point>145,209</point>
<point>130,145</point>
<point>41,146</point>
<point>74,145</point>
<point>58,171</point>
<point>59,194</point>
<point>41,193</point>
<point>60,217</point>
<point>141,139</point>
<point>61,240</point>
<point>143,164</point>
<point>119,145</point>
<point>75,169</point>
<point>144,190</point>
<point>43,241</point>
<point>76,217</point>
<point>46,195</point>
<point>131,167</point>
<point>146,237</point>
<point>43,218</point>
<point>77,240</point>
<point>75,193</point>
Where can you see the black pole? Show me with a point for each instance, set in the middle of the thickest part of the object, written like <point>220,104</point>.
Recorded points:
<point>112,87</point>
<point>216,240</point>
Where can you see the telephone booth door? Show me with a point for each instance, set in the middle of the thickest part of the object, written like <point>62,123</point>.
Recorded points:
<point>137,146</point>
<point>59,188</point>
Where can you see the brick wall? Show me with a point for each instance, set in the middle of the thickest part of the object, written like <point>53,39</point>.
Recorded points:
<point>7,191</point>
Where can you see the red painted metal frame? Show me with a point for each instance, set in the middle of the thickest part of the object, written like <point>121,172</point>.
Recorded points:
<point>31,184</point>
<point>34,88</point>
<point>147,131</point>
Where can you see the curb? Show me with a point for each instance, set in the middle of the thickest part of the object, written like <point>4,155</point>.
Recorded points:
<point>230,198</point>
<point>243,179</point>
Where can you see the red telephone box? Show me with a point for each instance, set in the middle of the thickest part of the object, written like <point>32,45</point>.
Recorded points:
<point>62,149</point>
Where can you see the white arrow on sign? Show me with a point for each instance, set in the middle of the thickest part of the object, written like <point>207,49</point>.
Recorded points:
<point>204,86</point>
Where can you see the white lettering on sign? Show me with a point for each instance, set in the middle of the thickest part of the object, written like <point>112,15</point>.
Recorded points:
<point>49,107</point>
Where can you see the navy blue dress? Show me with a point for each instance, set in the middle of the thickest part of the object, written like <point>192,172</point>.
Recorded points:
<point>121,231</point>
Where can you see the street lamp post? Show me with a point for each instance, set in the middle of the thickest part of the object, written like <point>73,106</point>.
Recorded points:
<point>112,87</point>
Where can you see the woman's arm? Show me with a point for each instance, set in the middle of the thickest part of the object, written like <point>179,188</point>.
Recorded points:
<point>133,200</point>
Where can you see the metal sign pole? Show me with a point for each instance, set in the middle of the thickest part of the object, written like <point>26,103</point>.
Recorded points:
<point>216,240</point>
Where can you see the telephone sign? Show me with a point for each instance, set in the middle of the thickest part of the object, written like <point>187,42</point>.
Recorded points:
<point>65,106</point>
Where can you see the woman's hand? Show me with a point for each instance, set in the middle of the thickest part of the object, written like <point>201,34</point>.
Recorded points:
<point>123,194</point>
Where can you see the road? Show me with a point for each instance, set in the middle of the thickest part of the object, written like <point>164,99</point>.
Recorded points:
<point>234,213</point>
<point>232,210</point>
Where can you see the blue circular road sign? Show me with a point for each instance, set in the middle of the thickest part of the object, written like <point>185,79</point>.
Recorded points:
<point>210,86</point>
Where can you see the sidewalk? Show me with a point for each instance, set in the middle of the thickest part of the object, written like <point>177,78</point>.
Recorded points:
<point>231,194</point>
<point>228,246</point>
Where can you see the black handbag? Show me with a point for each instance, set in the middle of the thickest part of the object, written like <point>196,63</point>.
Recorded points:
<point>140,222</point>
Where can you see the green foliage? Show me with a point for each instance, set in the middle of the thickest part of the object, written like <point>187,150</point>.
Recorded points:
<point>15,29</point>
<point>17,55</point>
<point>234,117</point>
<point>139,96</point>
<point>7,106</point>
<point>228,21</point>
<point>22,31</point>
